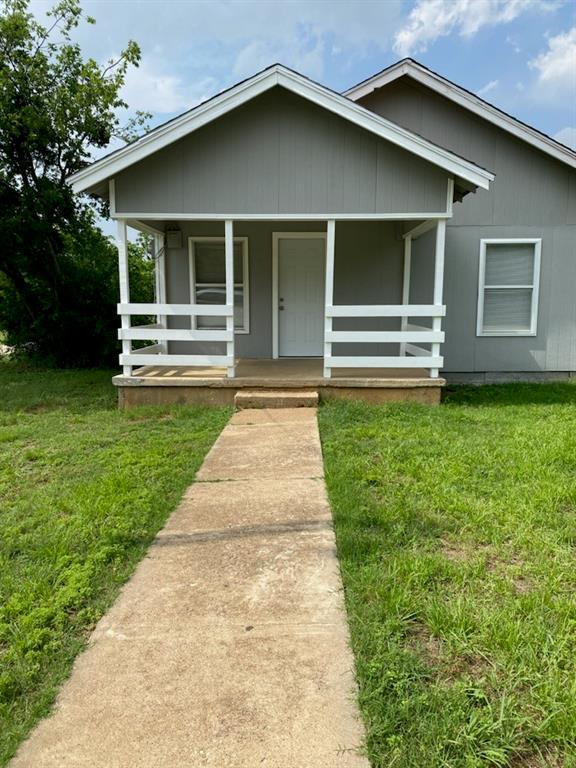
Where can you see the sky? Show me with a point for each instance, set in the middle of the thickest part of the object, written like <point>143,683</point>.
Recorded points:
<point>519,55</point>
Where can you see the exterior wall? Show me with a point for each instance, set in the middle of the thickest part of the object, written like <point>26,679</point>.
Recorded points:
<point>132,396</point>
<point>368,270</point>
<point>533,196</point>
<point>422,272</point>
<point>281,154</point>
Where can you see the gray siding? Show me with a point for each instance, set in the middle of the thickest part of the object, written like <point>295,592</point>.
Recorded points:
<point>368,270</point>
<point>533,196</point>
<point>281,154</point>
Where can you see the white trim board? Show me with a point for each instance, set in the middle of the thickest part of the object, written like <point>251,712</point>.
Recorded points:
<point>276,237</point>
<point>465,99</point>
<point>277,75</point>
<point>408,216</point>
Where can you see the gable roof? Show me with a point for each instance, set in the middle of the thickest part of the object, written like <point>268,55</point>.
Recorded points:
<point>277,75</point>
<point>465,99</point>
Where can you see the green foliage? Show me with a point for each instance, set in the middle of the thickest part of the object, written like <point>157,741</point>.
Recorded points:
<point>83,332</point>
<point>84,488</point>
<point>456,528</point>
<point>55,109</point>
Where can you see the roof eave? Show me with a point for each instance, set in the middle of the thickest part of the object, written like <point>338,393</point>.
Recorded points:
<point>466,99</point>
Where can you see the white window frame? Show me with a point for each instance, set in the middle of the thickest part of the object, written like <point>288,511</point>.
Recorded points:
<point>534,287</point>
<point>245,284</point>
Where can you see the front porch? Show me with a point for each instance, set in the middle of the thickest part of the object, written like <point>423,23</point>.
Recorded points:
<point>363,298</point>
<point>158,385</point>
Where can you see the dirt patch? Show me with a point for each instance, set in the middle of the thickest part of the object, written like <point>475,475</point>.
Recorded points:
<point>511,567</point>
<point>548,759</point>
<point>456,553</point>
<point>473,666</point>
<point>462,552</point>
<point>523,585</point>
<point>426,645</point>
<point>39,408</point>
<point>430,648</point>
<point>499,565</point>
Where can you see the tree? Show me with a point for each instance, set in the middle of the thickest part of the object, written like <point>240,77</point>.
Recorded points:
<point>55,109</point>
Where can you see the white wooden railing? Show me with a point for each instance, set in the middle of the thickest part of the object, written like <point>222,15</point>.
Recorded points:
<point>154,354</point>
<point>416,356</point>
<point>410,337</point>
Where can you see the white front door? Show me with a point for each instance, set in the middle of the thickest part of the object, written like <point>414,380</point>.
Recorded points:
<point>301,258</point>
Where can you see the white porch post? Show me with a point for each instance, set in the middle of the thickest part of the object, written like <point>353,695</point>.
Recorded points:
<point>329,292</point>
<point>229,259</point>
<point>160,282</point>
<point>406,287</point>
<point>438,286</point>
<point>121,244</point>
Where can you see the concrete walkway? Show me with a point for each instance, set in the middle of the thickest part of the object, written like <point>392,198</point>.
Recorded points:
<point>229,646</point>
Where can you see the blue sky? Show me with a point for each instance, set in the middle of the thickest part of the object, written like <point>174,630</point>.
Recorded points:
<point>518,54</point>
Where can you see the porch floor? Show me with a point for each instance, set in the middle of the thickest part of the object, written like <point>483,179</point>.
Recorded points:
<point>292,372</point>
<point>162,385</point>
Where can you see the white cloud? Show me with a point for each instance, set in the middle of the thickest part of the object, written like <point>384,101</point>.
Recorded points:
<point>431,19</point>
<point>154,91</point>
<point>229,26</point>
<point>514,44</point>
<point>567,136</point>
<point>557,66</point>
<point>184,41</point>
<point>488,87</point>
<point>304,57</point>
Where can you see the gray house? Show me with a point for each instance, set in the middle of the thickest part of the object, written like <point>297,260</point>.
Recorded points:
<point>369,244</point>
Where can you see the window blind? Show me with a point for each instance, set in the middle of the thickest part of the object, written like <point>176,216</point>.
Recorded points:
<point>507,287</point>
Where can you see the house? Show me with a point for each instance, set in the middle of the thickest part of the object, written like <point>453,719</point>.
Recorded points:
<point>371,244</point>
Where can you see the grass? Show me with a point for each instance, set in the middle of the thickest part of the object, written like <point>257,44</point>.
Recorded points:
<point>456,529</point>
<point>83,490</point>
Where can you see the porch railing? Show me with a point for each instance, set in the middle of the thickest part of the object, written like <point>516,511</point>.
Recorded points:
<point>155,354</point>
<point>412,355</point>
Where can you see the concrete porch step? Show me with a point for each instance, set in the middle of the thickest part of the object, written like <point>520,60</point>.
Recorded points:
<point>276,398</point>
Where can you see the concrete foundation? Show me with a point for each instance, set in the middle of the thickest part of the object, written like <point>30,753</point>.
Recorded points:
<point>129,397</point>
<point>210,386</point>
<point>509,377</point>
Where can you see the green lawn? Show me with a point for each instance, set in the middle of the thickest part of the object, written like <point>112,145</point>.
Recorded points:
<point>456,530</point>
<point>83,490</point>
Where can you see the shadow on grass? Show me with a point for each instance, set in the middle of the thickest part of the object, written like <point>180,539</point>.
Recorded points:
<point>28,388</point>
<point>549,393</point>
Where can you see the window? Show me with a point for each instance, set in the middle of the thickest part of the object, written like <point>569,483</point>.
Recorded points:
<point>208,280</point>
<point>508,287</point>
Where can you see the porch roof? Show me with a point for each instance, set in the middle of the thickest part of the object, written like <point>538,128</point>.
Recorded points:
<point>94,177</point>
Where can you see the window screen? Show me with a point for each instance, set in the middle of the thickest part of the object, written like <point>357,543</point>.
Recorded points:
<point>508,299</point>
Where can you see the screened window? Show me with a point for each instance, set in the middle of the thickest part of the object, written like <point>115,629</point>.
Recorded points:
<point>208,280</point>
<point>508,287</point>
